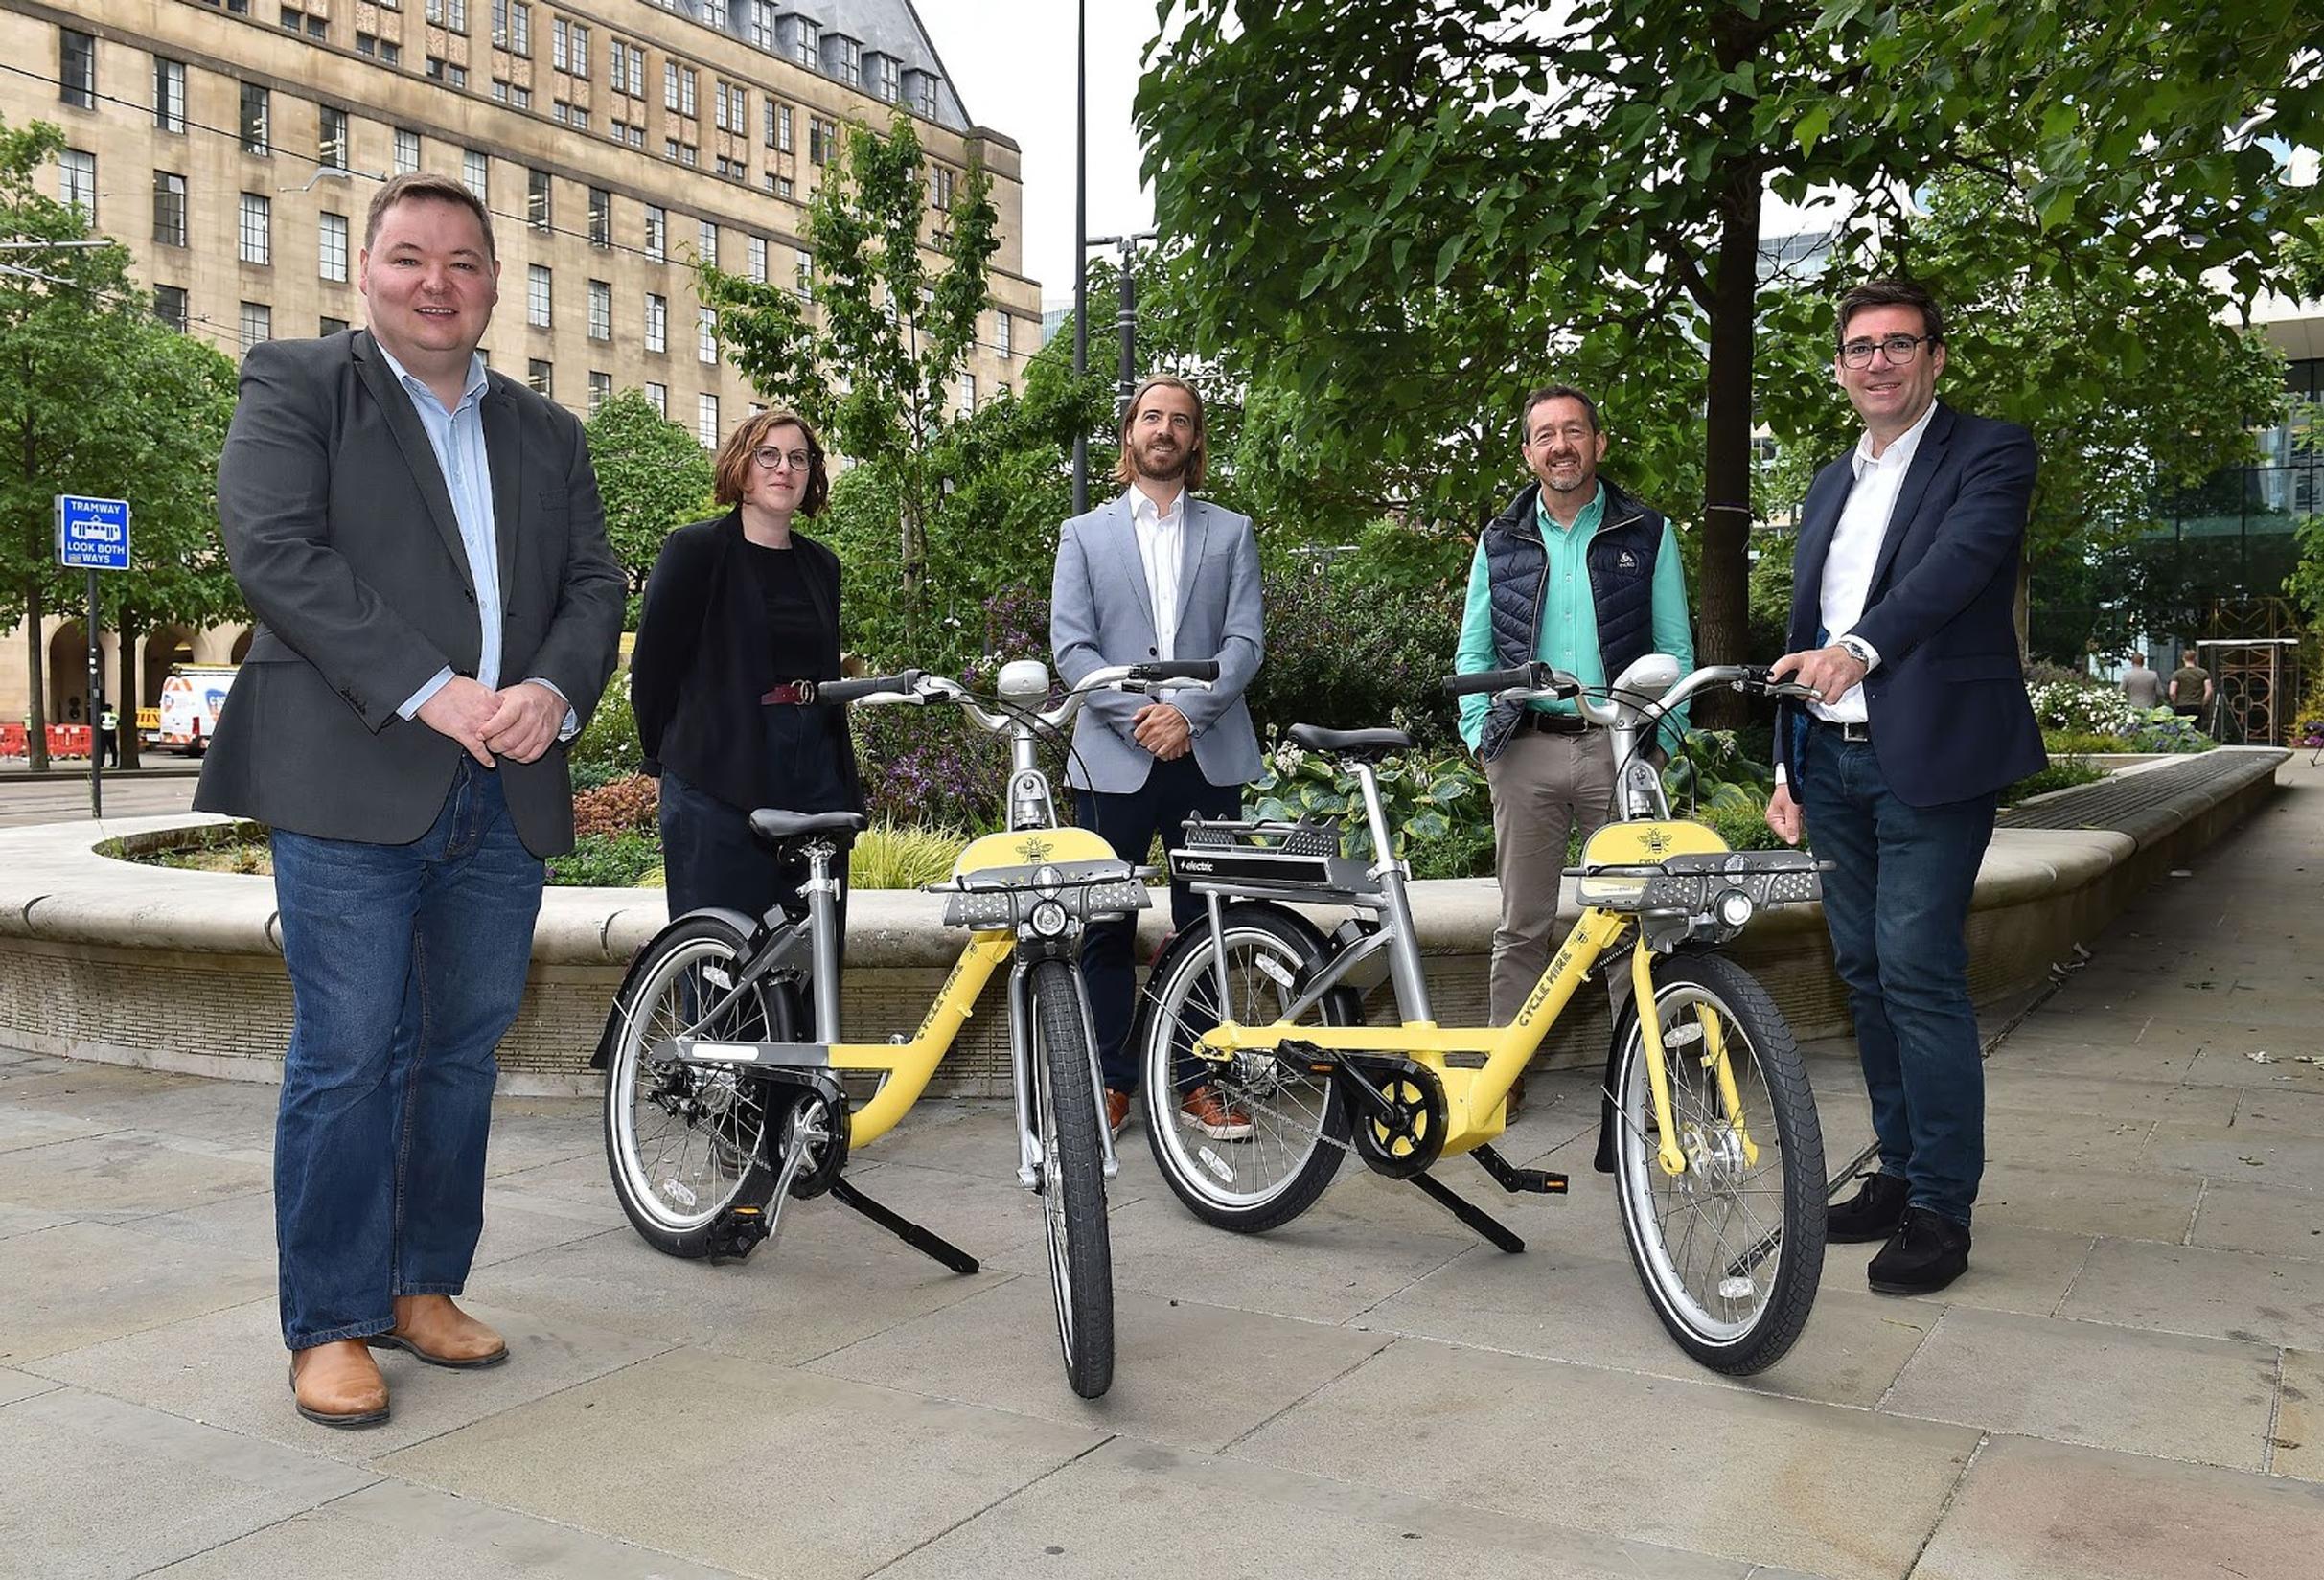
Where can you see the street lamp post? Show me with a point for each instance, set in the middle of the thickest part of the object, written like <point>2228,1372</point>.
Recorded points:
<point>1081,244</point>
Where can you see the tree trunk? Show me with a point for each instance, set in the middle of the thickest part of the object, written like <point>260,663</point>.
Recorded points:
<point>1722,630</point>
<point>126,681</point>
<point>35,721</point>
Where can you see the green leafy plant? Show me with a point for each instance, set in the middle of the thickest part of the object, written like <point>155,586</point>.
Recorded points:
<point>1425,797</point>
<point>607,749</point>
<point>607,861</point>
<point>2064,773</point>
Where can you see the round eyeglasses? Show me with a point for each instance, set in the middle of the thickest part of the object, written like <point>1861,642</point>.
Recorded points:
<point>1898,348</point>
<point>771,459</point>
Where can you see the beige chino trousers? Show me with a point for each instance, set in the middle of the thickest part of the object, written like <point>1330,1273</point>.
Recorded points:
<point>1543,787</point>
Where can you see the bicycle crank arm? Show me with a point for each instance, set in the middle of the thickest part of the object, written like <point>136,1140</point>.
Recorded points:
<point>1513,1180</point>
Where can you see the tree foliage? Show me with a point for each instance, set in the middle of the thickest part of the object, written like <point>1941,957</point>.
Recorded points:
<point>872,352</point>
<point>652,474</point>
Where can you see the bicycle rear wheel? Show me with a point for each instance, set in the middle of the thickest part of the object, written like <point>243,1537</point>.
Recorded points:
<point>1731,1248</point>
<point>686,1144</point>
<point>1073,1180</point>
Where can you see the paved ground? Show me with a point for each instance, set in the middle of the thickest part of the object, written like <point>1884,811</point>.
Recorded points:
<point>2129,1383</point>
<point>50,798</point>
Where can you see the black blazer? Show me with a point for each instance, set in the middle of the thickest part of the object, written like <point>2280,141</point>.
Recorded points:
<point>699,667</point>
<point>1947,704</point>
<point>341,534</point>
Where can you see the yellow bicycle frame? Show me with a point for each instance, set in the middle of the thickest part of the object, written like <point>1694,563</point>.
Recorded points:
<point>909,1066</point>
<point>1475,1098</point>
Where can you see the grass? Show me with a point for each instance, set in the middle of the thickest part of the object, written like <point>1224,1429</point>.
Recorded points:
<point>887,855</point>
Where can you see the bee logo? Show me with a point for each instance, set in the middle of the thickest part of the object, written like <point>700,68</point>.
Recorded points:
<point>1657,840</point>
<point>1034,849</point>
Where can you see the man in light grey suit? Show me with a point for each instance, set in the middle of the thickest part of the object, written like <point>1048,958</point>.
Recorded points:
<point>1155,574</point>
<point>423,545</point>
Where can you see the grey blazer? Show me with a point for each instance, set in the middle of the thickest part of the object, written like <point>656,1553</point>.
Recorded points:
<point>341,534</point>
<point>1101,612</point>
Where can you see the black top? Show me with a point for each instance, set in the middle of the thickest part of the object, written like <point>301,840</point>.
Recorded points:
<point>716,633</point>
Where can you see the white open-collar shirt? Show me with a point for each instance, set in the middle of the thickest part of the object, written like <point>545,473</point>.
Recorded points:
<point>1160,531</point>
<point>1855,548</point>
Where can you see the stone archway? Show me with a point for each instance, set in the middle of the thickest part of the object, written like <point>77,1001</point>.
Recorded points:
<point>242,646</point>
<point>68,675</point>
<point>169,645</point>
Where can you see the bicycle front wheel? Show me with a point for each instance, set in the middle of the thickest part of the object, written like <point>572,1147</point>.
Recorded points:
<point>1073,1180</point>
<point>686,1144</point>
<point>1729,1249</point>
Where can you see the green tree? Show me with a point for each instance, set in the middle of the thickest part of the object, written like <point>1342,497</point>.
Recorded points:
<point>876,364</point>
<point>96,397</point>
<point>652,475</point>
<point>1410,212</point>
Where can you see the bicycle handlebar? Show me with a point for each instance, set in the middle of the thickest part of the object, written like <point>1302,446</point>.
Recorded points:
<point>1534,677</point>
<point>850,691</point>
<point>1176,669</point>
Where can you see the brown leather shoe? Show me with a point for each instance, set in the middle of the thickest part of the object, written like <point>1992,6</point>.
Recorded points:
<point>1514,1101</point>
<point>1214,1119</point>
<point>430,1327</point>
<point>1117,1110</point>
<point>339,1384</point>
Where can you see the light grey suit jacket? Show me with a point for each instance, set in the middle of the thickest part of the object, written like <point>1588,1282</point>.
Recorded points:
<point>1101,612</point>
<point>342,536</point>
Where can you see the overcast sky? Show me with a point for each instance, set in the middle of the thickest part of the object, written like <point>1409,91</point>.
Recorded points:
<point>1013,65</point>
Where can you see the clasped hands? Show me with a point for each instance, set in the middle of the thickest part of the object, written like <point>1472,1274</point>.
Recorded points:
<point>518,722</point>
<point>1162,730</point>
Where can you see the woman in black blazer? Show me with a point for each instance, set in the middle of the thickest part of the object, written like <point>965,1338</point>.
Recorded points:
<point>740,608</point>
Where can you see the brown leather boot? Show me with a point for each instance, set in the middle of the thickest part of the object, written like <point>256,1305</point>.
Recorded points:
<point>339,1384</point>
<point>430,1327</point>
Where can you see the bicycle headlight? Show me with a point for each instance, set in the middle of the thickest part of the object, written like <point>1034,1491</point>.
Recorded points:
<point>1611,890</point>
<point>1048,919</point>
<point>1735,907</point>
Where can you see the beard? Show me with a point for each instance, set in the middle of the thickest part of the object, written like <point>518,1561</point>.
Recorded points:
<point>1581,478</point>
<point>1160,469</point>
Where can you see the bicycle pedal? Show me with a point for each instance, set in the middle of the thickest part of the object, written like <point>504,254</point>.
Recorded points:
<point>737,1233</point>
<point>1541,1182</point>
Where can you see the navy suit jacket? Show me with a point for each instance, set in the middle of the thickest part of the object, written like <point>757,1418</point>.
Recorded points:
<point>1947,704</point>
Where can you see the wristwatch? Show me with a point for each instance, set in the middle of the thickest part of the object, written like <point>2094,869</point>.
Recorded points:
<point>1858,649</point>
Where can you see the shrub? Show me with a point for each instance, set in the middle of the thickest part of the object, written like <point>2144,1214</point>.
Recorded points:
<point>2163,730</point>
<point>628,804</point>
<point>1343,656</point>
<point>1743,827</point>
<point>2062,774</point>
<point>607,749</point>
<point>931,766</point>
<point>607,861</point>
<point>2085,706</point>
<point>893,855</point>
<point>1425,797</point>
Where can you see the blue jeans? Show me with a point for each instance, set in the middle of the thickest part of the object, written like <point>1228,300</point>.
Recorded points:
<point>1897,906</point>
<point>407,963</point>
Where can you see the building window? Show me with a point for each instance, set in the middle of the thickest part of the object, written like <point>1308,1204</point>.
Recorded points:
<point>561,45</point>
<point>822,140</point>
<point>170,306</point>
<point>657,322</point>
<point>169,209</point>
<point>658,396</point>
<point>407,151</point>
<point>778,127</point>
<point>783,185</point>
<point>601,218</point>
<point>330,143</point>
<point>77,68</point>
<point>762,23</point>
<point>705,244</point>
<point>169,94</point>
<point>541,377</point>
<point>439,71</point>
<point>807,43</point>
<point>536,296</point>
<point>705,421</point>
<point>581,50</point>
<point>1000,334</point>
<point>968,393</point>
<point>806,271</point>
<point>758,259</point>
<point>513,27</point>
<point>627,73</point>
<point>475,174</point>
<point>327,325</point>
<point>258,323</point>
<point>705,335</point>
<point>942,181</point>
<point>447,13</point>
<point>256,106</point>
<point>845,57</point>
<point>601,390</point>
<point>886,80</point>
<point>733,108</point>
<point>536,198</point>
<point>601,310</point>
<point>657,233</point>
<point>76,182</point>
<point>331,247</point>
<point>921,87</point>
<point>256,230</point>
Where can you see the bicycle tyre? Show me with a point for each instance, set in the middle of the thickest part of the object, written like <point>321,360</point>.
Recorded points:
<point>706,1154</point>
<point>1698,1289</point>
<point>1073,1181</point>
<point>1309,1124</point>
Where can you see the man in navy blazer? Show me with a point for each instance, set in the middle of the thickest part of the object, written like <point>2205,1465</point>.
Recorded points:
<point>1902,623</point>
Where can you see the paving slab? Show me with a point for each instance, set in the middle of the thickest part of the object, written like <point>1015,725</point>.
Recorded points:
<point>16,1220</point>
<point>2055,1138</point>
<point>20,1385</point>
<point>2110,1387</point>
<point>2298,1443</point>
<point>2032,1088</point>
<point>1186,1374</point>
<point>2089,1202</point>
<point>2090,1051</point>
<point>130,1174</point>
<point>2266,1222</point>
<point>80,1284</point>
<point>23,1126</point>
<point>229,1369</point>
<point>2286,1113</point>
<point>2187,1289</point>
<point>514,1226</point>
<point>122,1490</point>
<point>523,1140</point>
<point>2230,1064</point>
<point>239,1114</point>
<point>2030,1510</point>
<point>1773,1481</point>
<point>1170,1514</point>
<point>392,1530</point>
<point>1593,1311</point>
<point>2011,1270</point>
<point>785,1472</point>
<point>2237,1154</point>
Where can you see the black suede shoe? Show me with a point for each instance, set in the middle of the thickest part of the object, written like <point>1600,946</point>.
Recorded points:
<point>1873,1213</point>
<point>1927,1252</point>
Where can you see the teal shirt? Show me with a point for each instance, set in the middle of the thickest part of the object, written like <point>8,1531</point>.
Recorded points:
<point>1568,638</point>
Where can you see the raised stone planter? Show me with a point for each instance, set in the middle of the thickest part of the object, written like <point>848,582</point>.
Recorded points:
<point>107,959</point>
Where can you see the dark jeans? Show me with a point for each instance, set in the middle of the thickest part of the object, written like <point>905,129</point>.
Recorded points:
<point>407,963</point>
<point>711,859</point>
<point>1173,793</point>
<point>1898,906</point>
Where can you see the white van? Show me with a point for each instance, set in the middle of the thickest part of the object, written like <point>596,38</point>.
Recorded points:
<point>190,700</point>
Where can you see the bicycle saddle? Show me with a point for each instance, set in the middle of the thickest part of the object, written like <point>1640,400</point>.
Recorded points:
<point>775,826</point>
<point>1365,746</point>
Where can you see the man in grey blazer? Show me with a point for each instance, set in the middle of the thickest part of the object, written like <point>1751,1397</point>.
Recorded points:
<point>1155,574</point>
<point>438,608</point>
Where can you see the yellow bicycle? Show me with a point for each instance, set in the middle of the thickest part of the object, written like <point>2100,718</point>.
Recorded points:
<point>719,1101</point>
<point>1707,1124</point>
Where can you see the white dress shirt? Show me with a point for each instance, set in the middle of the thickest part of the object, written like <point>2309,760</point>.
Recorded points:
<point>1160,532</point>
<point>1855,548</point>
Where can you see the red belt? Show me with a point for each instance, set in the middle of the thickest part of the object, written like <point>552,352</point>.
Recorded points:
<point>794,692</point>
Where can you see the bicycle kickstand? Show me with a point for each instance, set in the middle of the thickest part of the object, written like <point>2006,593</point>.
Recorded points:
<point>1486,1226</point>
<point>927,1242</point>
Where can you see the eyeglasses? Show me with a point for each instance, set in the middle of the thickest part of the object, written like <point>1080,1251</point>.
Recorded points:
<point>771,459</point>
<point>1899,348</point>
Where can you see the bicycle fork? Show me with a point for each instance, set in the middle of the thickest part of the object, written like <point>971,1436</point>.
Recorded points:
<point>1669,1154</point>
<point>1033,1164</point>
